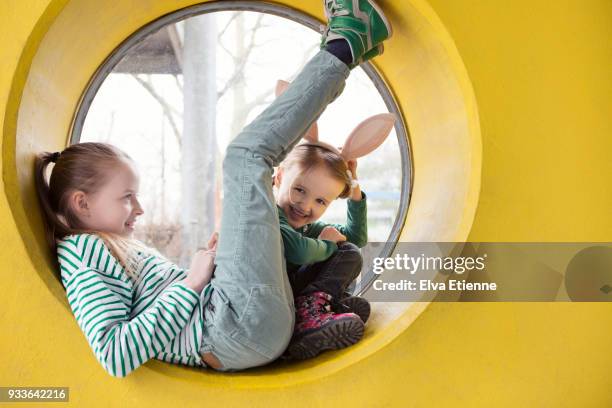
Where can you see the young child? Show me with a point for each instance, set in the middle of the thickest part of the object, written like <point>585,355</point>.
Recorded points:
<point>324,259</point>
<point>131,303</point>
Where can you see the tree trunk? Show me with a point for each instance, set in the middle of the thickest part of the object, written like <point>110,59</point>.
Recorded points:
<point>199,144</point>
<point>238,92</point>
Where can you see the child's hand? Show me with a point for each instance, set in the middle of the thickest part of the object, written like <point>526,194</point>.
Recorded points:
<point>352,166</point>
<point>212,241</point>
<point>201,269</point>
<point>203,265</point>
<point>331,234</point>
<point>356,191</point>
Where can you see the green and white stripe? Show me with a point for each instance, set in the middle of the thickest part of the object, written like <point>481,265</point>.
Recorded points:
<point>127,323</point>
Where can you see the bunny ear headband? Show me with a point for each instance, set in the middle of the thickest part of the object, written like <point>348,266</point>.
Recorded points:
<point>364,139</point>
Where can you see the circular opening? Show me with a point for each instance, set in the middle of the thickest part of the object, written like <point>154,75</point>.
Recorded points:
<point>196,77</point>
<point>421,66</point>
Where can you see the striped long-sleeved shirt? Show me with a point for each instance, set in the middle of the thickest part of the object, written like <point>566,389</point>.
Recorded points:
<point>128,322</point>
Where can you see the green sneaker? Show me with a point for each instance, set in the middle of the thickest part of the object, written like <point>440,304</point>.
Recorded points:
<point>360,22</point>
<point>374,52</point>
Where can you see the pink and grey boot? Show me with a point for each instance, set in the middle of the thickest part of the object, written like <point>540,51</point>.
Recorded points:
<point>318,329</point>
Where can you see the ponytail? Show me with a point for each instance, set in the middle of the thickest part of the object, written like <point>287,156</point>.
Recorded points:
<point>53,226</point>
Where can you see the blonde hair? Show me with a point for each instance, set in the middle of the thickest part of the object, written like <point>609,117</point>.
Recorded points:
<point>308,156</point>
<point>81,167</point>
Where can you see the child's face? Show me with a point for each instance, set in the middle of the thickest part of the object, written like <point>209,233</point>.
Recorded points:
<point>114,207</point>
<point>304,197</point>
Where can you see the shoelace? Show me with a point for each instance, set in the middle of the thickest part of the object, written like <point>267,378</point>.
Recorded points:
<point>336,9</point>
<point>313,304</point>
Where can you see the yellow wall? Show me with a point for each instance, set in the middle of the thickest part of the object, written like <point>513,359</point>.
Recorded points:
<point>540,73</point>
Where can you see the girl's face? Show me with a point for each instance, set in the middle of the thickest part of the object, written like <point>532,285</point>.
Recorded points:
<point>115,207</point>
<point>304,196</point>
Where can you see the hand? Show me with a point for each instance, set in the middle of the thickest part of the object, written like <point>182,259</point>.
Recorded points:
<point>352,166</point>
<point>331,234</point>
<point>356,191</point>
<point>212,241</point>
<point>201,269</point>
<point>203,265</point>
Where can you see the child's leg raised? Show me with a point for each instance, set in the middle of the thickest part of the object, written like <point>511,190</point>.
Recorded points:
<point>252,297</point>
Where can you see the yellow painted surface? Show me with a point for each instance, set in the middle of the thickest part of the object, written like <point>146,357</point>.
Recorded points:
<point>508,105</point>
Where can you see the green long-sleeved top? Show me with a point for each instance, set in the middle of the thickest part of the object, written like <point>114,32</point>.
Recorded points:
<point>128,322</point>
<point>302,247</point>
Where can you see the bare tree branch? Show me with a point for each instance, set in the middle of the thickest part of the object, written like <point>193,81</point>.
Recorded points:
<point>229,22</point>
<point>239,67</point>
<point>175,42</point>
<point>178,82</point>
<point>224,48</point>
<point>167,108</point>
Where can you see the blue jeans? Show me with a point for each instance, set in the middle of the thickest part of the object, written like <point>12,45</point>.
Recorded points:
<point>250,316</point>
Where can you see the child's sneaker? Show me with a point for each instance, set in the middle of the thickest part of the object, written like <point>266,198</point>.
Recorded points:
<point>374,52</point>
<point>353,304</point>
<point>363,27</point>
<point>318,329</point>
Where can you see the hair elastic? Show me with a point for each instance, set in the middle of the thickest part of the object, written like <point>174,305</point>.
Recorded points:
<point>55,156</point>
